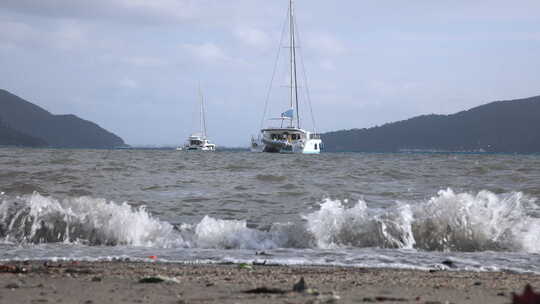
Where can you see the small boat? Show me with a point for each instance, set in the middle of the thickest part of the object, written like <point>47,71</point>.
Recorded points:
<point>289,137</point>
<point>199,141</point>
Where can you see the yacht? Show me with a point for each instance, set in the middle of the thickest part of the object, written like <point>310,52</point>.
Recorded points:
<point>288,136</point>
<point>199,141</point>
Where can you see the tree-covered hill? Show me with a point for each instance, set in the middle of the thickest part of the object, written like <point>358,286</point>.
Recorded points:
<point>65,131</point>
<point>501,126</point>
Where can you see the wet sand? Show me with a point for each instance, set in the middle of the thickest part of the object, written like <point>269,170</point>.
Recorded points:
<point>120,282</point>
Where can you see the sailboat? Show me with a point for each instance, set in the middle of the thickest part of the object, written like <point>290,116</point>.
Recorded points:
<point>289,137</point>
<point>199,141</point>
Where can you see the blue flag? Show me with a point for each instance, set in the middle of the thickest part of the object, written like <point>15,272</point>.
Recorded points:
<point>288,113</point>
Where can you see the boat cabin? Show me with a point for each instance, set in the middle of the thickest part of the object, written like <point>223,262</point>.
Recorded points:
<point>195,142</point>
<point>198,142</point>
<point>284,134</point>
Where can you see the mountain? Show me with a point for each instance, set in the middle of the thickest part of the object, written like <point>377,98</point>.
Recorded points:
<point>501,126</point>
<point>10,137</point>
<point>63,131</point>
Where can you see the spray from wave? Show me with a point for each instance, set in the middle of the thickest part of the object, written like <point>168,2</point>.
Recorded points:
<point>485,221</point>
<point>447,222</point>
<point>334,225</point>
<point>86,220</point>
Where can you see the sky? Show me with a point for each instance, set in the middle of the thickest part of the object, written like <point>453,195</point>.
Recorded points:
<point>134,66</point>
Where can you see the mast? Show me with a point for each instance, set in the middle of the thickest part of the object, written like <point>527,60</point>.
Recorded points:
<point>291,57</point>
<point>294,82</point>
<point>202,116</point>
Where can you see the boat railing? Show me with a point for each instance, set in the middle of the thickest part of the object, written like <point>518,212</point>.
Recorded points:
<point>315,136</point>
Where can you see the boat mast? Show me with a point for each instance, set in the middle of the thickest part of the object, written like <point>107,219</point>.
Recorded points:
<point>202,116</point>
<point>294,83</point>
<point>291,56</point>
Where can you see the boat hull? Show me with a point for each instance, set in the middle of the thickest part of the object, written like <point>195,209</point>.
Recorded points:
<point>203,149</point>
<point>261,147</point>
<point>198,143</point>
<point>286,141</point>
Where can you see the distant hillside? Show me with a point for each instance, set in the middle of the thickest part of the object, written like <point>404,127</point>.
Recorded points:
<point>501,126</point>
<point>66,131</point>
<point>10,137</point>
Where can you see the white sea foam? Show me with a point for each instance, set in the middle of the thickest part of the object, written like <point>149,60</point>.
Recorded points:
<point>485,221</point>
<point>39,219</point>
<point>215,233</point>
<point>334,225</point>
<point>449,221</point>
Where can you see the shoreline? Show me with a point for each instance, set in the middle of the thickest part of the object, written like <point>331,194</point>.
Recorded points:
<point>123,282</point>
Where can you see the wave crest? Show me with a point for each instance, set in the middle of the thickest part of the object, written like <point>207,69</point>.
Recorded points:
<point>39,219</point>
<point>485,221</point>
<point>449,221</point>
<point>334,225</point>
<point>229,234</point>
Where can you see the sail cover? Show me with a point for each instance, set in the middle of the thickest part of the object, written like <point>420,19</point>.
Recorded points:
<point>288,114</point>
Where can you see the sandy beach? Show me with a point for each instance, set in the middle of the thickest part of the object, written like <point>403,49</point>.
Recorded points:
<point>137,282</point>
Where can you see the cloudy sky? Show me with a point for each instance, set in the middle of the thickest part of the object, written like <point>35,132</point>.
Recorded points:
<point>133,66</point>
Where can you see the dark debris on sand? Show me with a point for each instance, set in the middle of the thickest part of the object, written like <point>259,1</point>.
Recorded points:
<point>529,296</point>
<point>299,286</point>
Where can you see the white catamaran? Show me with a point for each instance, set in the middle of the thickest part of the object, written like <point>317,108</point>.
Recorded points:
<point>289,137</point>
<point>199,141</point>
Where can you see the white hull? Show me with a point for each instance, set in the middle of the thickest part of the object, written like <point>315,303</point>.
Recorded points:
<point>198,148</point>
<point>287,141</point>
<point>260,147</point>
<point>198,143</point>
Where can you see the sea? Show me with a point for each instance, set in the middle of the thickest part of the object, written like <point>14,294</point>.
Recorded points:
<point>428,211</point>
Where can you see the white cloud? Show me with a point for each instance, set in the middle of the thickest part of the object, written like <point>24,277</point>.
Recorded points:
<point>139,11</point>
<point>325,44</point>
<point>149,12</point>
<point>64,36</point>
<point>19,34</point>
<point>144,62</point>
<point>69,38</point>
<point>394,88</point>
<point>207,52</point>
<point>128,83</point>
<point>253,37</point>
<point>494,35</point>
<point>328,65</point>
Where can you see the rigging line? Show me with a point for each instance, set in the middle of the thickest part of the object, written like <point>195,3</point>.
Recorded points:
<point>274,70</point>
<point>308,95</point>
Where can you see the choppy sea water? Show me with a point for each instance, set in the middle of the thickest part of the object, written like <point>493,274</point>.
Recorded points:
<point>481,212</point>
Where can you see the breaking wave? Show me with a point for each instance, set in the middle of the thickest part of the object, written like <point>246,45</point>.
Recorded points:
<point>447,222</point>
<point>39,219</point>
<point>459,222</point>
